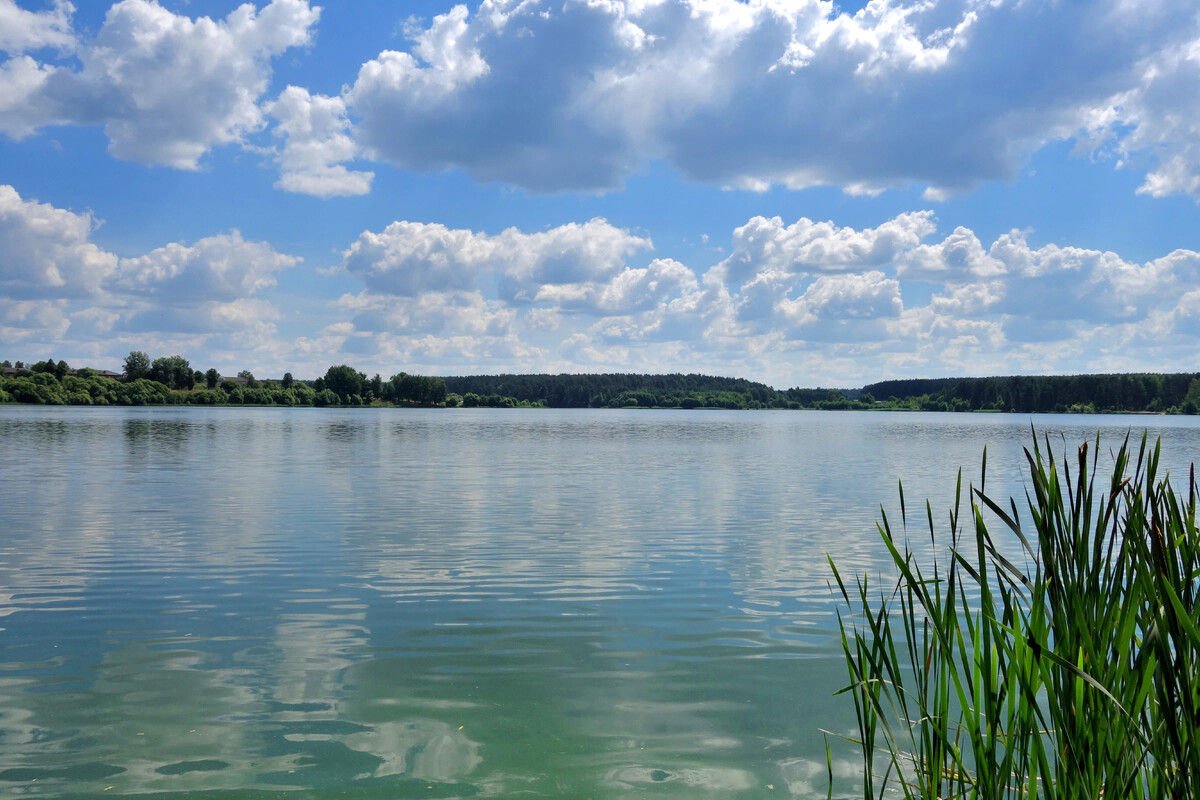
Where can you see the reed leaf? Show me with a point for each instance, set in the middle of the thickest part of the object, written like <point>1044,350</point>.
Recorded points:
<point>1077,677</point>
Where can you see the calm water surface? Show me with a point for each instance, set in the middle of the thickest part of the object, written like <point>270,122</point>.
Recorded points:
<point>232,603</point>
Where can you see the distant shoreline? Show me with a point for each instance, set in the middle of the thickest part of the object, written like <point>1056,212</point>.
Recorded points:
<point>344,387</point>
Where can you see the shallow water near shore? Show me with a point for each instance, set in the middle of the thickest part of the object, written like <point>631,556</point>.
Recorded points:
<point>455,603</point>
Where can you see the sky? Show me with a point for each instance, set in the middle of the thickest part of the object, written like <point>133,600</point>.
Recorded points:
<point>792,191</point>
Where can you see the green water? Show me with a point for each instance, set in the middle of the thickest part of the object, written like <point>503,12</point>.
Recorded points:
<point>469,603</point>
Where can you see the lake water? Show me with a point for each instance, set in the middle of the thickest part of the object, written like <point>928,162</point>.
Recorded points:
<point>234,603</point>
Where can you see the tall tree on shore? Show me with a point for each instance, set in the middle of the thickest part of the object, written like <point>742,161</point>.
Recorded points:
<point>137,365</point>
<point>174,372</point>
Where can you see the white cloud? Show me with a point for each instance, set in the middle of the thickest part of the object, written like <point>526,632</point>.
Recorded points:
<point>206,318</point>
<point>24,105</point>
<point>959,257</point>
<point>579,95</point>
<point>46,250</point>
<point>503,115</point>
<point>795,303</point>
<point>969,299</point>
<point>632,289</point>
<point>1062,283</point>
<point>864,296</point>
<point>317,140</point>
<point>93,322</point>
<point>22,31</point>
<point>165,87</point>
<point>806,247</point>
<point>949,94</point>
<point>433,313</point>
<point>1157,121</point>
<point>219,268</point>
<point>58,285</point>
<point>454,355</point>
<point>408,258</point>
<point>426,279</point>
<point>842,308</point>
<point>34,321</point>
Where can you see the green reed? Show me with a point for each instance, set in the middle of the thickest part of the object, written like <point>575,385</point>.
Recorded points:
<point>1076,676</point>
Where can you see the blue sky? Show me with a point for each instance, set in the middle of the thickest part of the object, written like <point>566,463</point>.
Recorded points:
<point>791,191</point>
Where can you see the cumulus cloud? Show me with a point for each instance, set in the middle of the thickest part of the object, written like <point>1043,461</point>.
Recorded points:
<point>960,256</point>
<point>24,104</point>
<point>22,31</point>
<point>165,87</point>
<point>47,252</point>
<point>408,258</point>
<point>1051,282</point>
<point>202,318</point>
<point>579,95</point>
<point>766,245</point>
<point>450,314</point>
<point>55,281</point>
<point>32,320</point>
<point>868,295</point>
<point>638,289</point>
<point>512,113</point>
<point>219,268</point>
<point>1156,120</point>
<point>795,302</point>
<point>949,94</point>
<point>317,140</point>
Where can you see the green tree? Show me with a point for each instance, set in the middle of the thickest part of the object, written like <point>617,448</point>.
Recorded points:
<point>144,392</point>
<point>287,380</point>
<point>137,365</point>
<point>344,380</point>
<point>174,372</point>
<point>251,381</point>
<point>212,378</point>
<point>1191,401</point>
<point>58,369</point>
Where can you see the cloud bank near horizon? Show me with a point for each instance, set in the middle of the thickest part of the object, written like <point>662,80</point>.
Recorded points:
<point>803,297</point>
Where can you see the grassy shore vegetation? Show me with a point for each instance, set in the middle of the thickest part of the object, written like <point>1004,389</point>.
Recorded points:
<point>1071,671</point>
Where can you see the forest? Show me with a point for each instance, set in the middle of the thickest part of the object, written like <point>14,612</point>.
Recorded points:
<point>1089,394</point>
<point>1173,393</point>
<point>171,380</point>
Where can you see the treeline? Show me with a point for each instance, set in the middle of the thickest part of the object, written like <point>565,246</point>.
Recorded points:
<point>171,381</point>
<point>624,390</point>
<point>1031,394</point>
<point>1131,392</point>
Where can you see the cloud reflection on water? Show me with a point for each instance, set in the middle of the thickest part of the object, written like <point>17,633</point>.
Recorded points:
<point>539,602</point>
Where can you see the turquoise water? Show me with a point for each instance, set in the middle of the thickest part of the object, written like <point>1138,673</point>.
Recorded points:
<point>451,603</point>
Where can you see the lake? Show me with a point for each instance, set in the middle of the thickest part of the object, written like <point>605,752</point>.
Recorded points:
<point>234,603</point>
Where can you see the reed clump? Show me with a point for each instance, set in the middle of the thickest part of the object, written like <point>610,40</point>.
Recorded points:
<point>1069,668</point>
